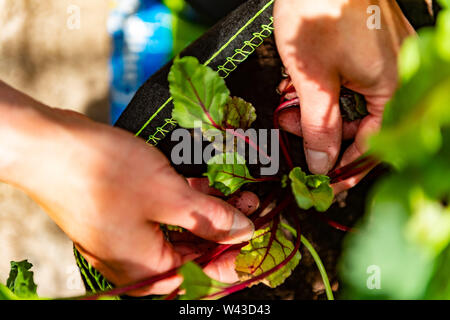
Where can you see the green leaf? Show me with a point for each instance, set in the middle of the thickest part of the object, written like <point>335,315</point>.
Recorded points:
<point>284,181</point>
<point>311,191</point>
<point>196,283</point>
<point>6,293</point>
<point>20,280</point>
<point>227,173</point>
<point>238,114</point>
<point>265,251</point>
<point>199,94</point>
<point>170,227</point>
<point>353,105</point>
<point>202,100</point>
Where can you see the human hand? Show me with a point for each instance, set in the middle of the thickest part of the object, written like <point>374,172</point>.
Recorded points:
<point>326,44</point>
<point>109,192</point>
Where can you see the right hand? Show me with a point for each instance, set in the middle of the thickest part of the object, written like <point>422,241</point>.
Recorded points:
<point>326,44</point>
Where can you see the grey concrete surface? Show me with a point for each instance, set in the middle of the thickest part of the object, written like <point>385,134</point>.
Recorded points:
<point>43,54</point>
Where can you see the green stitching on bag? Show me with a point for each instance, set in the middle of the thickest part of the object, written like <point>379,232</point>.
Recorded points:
<point>240,55</point>
<point>168,125</point>
<point>243,53</point>
<point>209,61</point>
<point>93,279</point>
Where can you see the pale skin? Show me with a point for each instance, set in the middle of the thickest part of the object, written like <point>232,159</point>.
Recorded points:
<point>109,190</point>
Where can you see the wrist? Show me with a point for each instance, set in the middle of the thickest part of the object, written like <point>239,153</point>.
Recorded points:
<point>23,125</point>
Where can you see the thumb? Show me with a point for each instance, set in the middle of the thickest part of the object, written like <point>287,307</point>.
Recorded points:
<point>205,216</point>
<point>321,122</point>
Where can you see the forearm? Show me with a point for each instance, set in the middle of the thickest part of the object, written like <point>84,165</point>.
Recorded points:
<point>25,128</point>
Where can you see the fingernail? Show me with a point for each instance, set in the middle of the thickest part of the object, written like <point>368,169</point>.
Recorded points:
<point>241,230</point>
<point>318,161</point>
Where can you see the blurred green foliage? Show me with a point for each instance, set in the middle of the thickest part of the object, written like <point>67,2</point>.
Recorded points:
<point>402,249</point>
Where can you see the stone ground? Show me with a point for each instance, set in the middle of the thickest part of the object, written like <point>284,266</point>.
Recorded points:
<point>64,67</point>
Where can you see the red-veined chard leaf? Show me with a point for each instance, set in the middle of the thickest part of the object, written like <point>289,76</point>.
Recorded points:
<point>268,248</point>
<point>199,94</point>
<point>202,100</point>
<point>227,172</point>
<point>238,114</point>
<point>311,190</point>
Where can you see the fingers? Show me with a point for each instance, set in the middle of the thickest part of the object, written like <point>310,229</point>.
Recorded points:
<point>289,121</point>
<point>202,185</point>
<point>350,182</point>
<point>245,201</point>
<point>321,121</point>
<point>153,249</point>
<point>368,126</point>
<point>188,246</point>
<point>221,269</point>
<point>205,216</point>
<point>349,129</point>
<point>212,219</point>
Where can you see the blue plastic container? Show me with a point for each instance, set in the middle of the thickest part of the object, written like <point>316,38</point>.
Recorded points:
<point>141,33</point>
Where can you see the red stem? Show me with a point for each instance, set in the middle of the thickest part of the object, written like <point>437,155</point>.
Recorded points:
<point>261,221</point>
<point>334,224</point>
<point>284,148</point>
<point>172,295</point>
<point>353,169</point>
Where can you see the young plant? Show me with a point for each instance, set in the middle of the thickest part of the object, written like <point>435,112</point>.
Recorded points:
<point>201,99</point>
